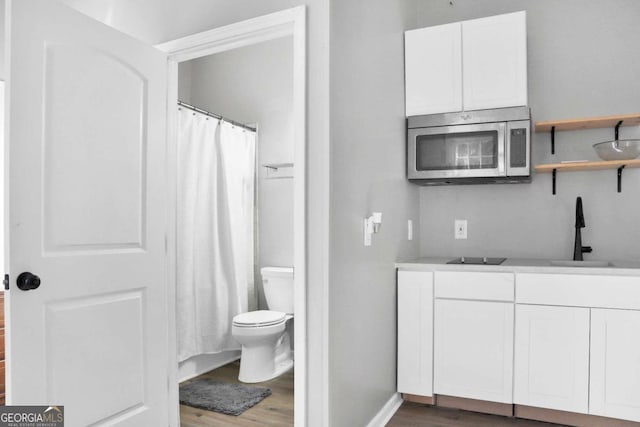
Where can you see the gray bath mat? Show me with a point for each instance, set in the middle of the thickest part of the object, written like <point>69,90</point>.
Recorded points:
<point>226,398</point>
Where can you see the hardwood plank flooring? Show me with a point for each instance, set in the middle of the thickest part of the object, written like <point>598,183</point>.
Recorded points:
<point>275,410</point>
<point>418,415</point>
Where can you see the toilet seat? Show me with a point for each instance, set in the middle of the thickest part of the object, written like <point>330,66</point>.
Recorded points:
<point>259,319</point>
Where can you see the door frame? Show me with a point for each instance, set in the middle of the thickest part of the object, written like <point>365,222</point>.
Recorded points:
<point>285,23</point>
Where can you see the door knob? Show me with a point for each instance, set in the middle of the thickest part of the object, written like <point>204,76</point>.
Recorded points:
<point>27,281</point>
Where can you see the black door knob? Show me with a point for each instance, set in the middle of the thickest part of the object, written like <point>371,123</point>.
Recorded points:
<point>27,281</point>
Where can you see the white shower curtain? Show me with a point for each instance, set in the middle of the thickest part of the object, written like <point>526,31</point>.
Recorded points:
<point>215,231</point>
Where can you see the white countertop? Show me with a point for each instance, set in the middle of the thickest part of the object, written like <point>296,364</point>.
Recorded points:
<point>520,265</point>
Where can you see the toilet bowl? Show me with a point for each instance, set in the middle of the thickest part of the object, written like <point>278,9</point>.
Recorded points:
<point>266,344</point>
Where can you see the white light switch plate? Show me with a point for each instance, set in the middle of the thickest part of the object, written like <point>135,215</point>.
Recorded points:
<point>367,235</point>
<point>460,231</point>
<point>409,229</point>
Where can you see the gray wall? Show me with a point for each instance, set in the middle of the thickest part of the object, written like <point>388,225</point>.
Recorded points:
<point>254,85</point>
<point>582,61</point>
<point>367,175</point>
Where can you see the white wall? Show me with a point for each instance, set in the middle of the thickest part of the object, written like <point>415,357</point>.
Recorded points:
<point>254,85</point>
<point>582,61</point>
<point>2,29</point>
<point>367,175</point>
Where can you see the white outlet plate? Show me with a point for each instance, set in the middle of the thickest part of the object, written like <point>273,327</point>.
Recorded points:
<point>409,229</point>
<point>460,231</point>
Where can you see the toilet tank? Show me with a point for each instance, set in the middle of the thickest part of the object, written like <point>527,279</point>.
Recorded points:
<point>277,283</point>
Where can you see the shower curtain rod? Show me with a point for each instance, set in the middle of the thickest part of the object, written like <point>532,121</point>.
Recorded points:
<point>215,116</point>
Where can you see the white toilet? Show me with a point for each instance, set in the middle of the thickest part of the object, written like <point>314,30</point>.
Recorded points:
<point>266,345</point>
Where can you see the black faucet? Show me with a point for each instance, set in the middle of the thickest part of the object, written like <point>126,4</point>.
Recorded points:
<point>578,249</point>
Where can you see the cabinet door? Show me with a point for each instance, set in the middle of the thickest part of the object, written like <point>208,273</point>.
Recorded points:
<point>433,70</point>
<point>494,54</point>
<point>474,349</point>
<point>415,332</point>
<point>552,357</point>
<point>615,364</point>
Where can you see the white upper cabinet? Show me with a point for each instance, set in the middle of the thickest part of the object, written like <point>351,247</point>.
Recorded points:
<point>469,65</point>
<point>494,52</point>
<point>615,364</point>
<point>433,69</point>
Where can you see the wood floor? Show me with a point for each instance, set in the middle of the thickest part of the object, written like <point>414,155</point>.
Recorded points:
<point>275,410</point>
<point>418,415</point>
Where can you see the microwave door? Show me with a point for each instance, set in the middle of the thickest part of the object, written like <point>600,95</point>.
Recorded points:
<point>464,151</point>
<point>518,148</point>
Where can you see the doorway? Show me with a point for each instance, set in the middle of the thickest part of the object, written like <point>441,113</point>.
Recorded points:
<point>286,24</point>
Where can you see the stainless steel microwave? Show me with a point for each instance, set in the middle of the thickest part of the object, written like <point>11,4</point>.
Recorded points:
<point>471,147</point>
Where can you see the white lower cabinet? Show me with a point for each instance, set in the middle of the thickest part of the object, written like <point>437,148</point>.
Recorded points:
<point>473,344</point>
<point>552,357</point>
<point>415,332</point>
<point>615,364</point>
<point>571,342</point>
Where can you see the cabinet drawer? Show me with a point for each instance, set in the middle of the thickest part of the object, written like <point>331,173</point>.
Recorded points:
<point>579,290</point>
<point>474,285</point>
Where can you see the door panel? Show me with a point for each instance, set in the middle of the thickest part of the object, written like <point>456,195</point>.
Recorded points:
<point>415,332</point>
<point>494,53</point>
<point>473,349</point>
<point>116,343</point>
<point>552,357</point>
<point>433,70</point>
<point>87,132</point>
<point>615,364</point>
<point>93,170</point>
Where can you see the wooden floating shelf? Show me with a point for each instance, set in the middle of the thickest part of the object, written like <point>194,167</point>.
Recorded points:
<point>554,168</point>
<point>589,123</point>
<point>586,166</point>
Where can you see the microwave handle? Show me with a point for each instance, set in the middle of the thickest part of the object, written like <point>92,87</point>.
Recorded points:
<point>502,149</point>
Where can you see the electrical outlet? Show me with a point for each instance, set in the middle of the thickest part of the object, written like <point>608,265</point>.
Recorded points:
<point>460,230</point>
<point>409,230</point>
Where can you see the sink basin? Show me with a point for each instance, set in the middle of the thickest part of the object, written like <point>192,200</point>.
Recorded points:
<point>571,263</point>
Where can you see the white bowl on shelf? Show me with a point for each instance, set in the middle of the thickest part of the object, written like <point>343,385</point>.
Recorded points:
<point>623,149</point>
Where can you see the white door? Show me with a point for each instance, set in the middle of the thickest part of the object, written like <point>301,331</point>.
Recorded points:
<point>473,349</point>
<point>552,357</point>
<point>494,54</point>
<point>87,215</point>
<point>433,70</point>
<point>615,364</point>
<point>415,332</point>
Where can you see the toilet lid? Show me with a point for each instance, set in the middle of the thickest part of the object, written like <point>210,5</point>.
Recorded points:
<point>259,318</point>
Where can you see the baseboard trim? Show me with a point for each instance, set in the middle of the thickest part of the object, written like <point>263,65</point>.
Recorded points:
<point>569,418</point>
<point>415,398</point>
<point>386,412</point>
<point>474,405</point>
